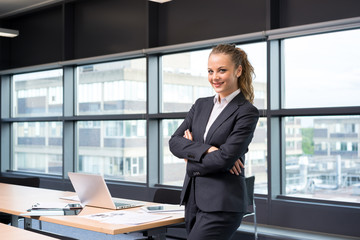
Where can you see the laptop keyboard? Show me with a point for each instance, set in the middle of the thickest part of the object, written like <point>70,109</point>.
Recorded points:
<point>121,204</point>
<point>126,204</point>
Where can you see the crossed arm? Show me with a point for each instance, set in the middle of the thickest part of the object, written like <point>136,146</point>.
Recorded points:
<point>236,169</point>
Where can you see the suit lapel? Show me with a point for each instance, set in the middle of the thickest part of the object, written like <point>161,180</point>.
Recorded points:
<point>225,114</point>
<point>204,117</point>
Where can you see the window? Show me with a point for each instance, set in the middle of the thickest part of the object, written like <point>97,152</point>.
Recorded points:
<point>104,145</point>
<point>37,147</point>
<point>325,163</point>
<point>322,70</point>
<point>184,79</point>
<point>256,158</point>
<point>173,168</point>
<point>37,94</point>
<point>112,88</point>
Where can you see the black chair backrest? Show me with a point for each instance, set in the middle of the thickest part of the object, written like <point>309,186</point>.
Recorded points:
<point>23,181</point>
<point>164,195</point>
<point>250,181</point>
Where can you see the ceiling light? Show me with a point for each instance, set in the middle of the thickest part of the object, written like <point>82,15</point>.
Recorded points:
<point>160,1</point>
<point>8,32</point>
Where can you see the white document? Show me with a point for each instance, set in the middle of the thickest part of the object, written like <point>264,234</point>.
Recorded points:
<point>43,213</point>
<point>50,205</point>
<point>126,217</point>
<point>163,208</point>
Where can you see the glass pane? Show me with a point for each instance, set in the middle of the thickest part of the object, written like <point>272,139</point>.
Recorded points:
<point>173,168</point>
<point>38,94</point>
<point>257,56</point>
<point>256,158</point>
<point>112,88</point>
<point>38,147</point>
<point>322,70</point>
<point>322,157</point>
<point>184,77</point>
<point>114,149</point>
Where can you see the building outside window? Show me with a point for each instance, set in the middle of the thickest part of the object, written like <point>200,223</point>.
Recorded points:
<point>37,145</point>
<point>115,149</point>
<point>112,88</point>
<point>37,94</point>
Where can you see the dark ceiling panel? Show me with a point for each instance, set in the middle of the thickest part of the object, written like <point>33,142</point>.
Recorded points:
<point>109,26</point>
<point>300,12</point>
<point>40,38</point>
<point>189,20</point>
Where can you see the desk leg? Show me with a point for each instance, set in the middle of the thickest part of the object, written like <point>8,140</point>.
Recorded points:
<point>27,223</point>
<point>14,220</point>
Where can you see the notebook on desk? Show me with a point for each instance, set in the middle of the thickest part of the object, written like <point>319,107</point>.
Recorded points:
<point>93,191</point>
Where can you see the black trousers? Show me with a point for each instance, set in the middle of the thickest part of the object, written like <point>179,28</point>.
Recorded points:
<point>209,225</point>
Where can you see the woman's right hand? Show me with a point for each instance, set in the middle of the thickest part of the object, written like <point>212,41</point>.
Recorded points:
<point>236,169</point>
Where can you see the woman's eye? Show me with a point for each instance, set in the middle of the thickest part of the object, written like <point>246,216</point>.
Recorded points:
<point>222,70</point>
<point>210,71</point>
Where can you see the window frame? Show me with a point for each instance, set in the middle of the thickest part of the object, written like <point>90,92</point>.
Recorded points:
<point>273,112</point>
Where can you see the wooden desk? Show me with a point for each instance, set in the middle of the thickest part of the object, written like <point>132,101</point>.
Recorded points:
<point>9,232</point>
<point>17,199</point>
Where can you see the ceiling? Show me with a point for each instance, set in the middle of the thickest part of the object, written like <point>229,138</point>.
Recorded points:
<point>12,7</point>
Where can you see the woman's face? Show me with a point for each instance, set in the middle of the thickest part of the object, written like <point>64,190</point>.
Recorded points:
<point>222,74</point>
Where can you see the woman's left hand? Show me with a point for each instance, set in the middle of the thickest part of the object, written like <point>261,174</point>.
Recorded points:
<point>236,169</point>
<point>188,135</point>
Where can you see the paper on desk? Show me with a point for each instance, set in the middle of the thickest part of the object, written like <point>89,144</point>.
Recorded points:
<point>49,205</point>
<point>126,217</point>
<point>43,213</point>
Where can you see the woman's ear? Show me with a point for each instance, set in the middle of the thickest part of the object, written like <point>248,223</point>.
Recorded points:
<point>239,71</point>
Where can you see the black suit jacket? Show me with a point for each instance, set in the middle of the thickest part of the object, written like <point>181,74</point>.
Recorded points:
<point>216,189</point>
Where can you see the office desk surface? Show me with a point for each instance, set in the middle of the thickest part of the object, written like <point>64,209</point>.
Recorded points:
<point>17,199</point>
<point>10,232</point>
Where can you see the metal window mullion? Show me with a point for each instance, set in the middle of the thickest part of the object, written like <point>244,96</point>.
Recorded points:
<point>68,126</point>
<point>273,122</point>
<point>152,86</point>
<point>5,161</point>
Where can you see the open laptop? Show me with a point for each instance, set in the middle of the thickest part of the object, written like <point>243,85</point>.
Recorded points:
<point>93,191</point>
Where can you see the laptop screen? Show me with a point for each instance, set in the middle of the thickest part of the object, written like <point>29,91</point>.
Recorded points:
<point>92,190</point>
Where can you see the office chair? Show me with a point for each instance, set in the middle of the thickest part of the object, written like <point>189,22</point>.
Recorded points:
<point>169,196</point>
<point>250,182</point>
<point>166,196</point>
<point>23,181</point>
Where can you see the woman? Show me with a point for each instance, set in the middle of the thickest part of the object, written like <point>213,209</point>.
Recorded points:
<point>213,140</point>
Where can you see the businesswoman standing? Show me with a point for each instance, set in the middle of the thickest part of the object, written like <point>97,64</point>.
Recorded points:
<point>213,140</point>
